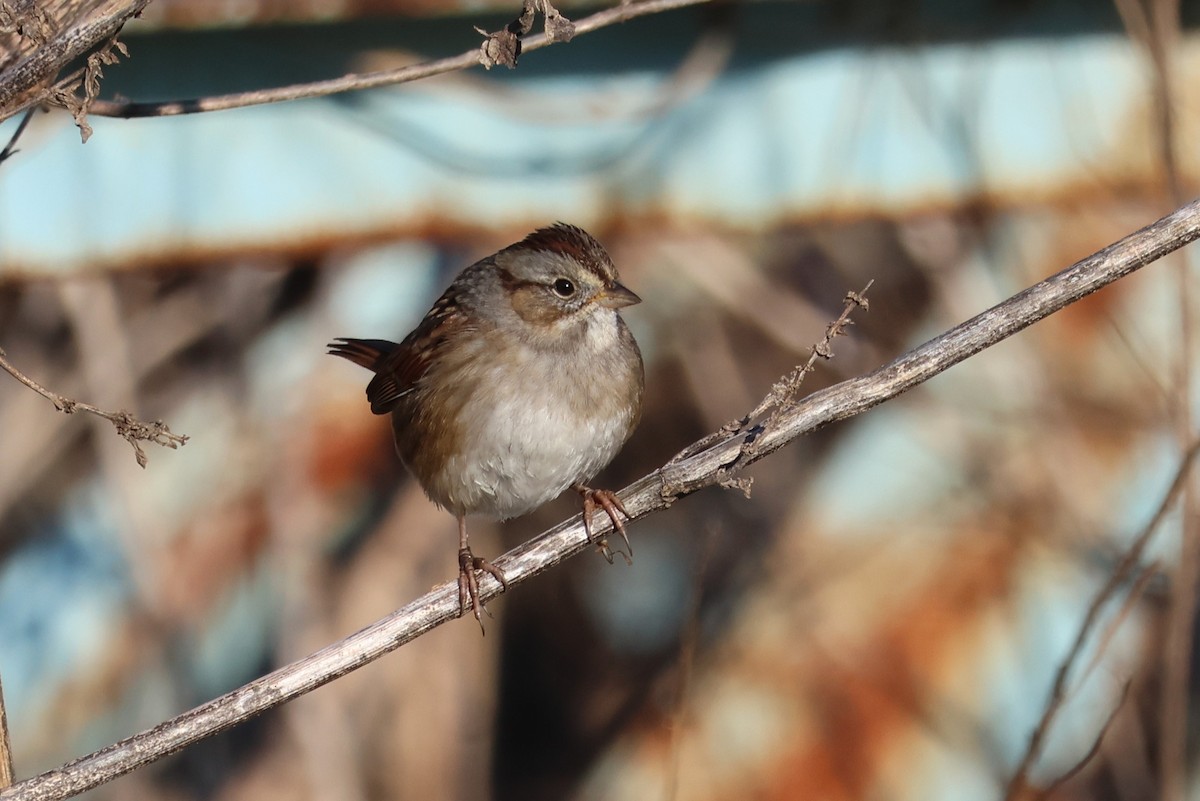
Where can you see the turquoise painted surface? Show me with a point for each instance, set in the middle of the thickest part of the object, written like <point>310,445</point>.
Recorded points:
<point>840,129</point>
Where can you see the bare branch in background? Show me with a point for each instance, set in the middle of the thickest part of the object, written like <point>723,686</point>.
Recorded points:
<point>11,148</point>
<point>1128,564</point>
<point>1163,24</point>
<point>1155,25</point>
<point>372,80</point>
<point>134,431</point>
<point>1091,752</point>
<point>30,82</point>
<point>6,760</point>
<point>688,644</point>
<point>653,493</point>
<point>27,76</point>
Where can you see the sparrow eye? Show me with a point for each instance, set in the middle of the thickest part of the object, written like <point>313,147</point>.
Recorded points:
<point>564,288</point>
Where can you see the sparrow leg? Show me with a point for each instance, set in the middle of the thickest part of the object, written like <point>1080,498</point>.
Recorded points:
<point>468,582</point>
<point>611,504</point>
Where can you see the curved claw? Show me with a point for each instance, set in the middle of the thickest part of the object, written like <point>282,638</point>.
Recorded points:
<point>468,582</point>
<point>612,506</point>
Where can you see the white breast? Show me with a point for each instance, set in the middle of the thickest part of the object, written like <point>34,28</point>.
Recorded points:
<point>544,425</point>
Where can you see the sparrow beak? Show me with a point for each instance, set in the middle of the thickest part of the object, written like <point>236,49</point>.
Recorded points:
<point>618,297</point>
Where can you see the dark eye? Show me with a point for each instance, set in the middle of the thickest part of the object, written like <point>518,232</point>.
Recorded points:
<point>564,288</point>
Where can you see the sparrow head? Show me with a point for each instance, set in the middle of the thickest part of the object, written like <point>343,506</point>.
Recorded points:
<point>561,275</point>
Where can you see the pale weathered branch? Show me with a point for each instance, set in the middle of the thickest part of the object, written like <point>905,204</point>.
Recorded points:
<point>652,493</point>
<point>29,79</point>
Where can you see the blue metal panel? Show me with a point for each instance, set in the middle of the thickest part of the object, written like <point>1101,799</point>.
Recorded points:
<point>850,131</point>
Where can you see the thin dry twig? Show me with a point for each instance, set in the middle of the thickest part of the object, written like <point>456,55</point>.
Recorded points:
<point>372,80</point>
<point>782,396</point>
<point>133,430</point>
<point>6,761</point>
<point>653,493</point>
<point>1125,568</point>
<point>11,148</point>
<point>1083,762</point>
<point>688,644</point>
<point>1136,588</point>
<point>1155,24</point>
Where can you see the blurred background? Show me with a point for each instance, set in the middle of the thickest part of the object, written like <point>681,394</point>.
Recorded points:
<point>881,619</point>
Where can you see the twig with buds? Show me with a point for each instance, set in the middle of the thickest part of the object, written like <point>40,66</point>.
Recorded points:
<point>133,430</point>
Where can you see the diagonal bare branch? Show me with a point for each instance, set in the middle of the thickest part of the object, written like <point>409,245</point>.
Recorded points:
<point>657,491</point>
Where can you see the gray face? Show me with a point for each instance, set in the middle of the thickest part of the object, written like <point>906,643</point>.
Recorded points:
<point>556,279</point>
<point>547,287</point>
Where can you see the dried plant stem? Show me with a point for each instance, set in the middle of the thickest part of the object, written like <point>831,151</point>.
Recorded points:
<point>1128,564</point>
<point>133,430</point>
<point>688,644</point>
<point>782,396</point>
<point>1155,24</point>
<point>657,491</point>
<point>1082,763</point>
<point>11,147</point>
<point>6,761</point>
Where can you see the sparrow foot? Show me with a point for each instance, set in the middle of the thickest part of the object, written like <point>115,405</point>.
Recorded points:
<point>468,582</point>
<point>611,504</point>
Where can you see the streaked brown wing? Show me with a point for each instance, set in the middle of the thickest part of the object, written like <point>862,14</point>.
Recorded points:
<point>397,368</point>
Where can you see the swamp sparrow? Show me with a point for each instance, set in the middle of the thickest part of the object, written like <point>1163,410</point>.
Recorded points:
<point>521,381</point>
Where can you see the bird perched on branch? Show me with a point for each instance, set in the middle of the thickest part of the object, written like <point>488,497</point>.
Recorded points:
<point>520,382</point>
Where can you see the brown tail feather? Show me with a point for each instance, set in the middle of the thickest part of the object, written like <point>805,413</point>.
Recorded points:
<point>368,353</point>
